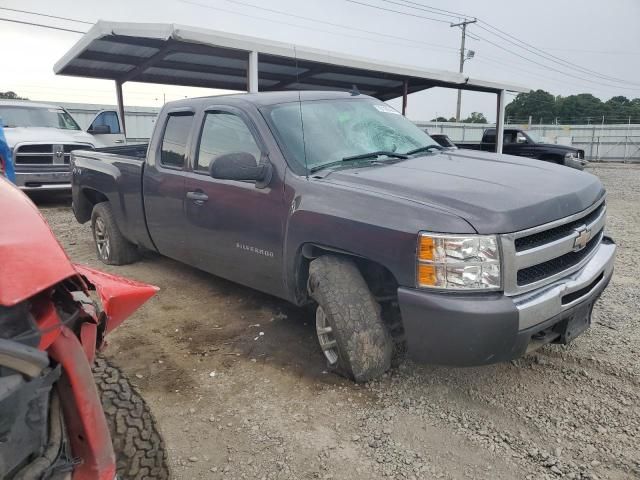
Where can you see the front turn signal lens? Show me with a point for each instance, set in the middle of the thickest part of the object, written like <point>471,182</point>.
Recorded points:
<point>426,275</point>
<point>426,248</point>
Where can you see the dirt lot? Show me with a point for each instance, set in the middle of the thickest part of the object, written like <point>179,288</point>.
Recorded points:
<point>238,386</point>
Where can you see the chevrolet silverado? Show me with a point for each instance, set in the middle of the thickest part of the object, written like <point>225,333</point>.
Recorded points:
<point>455,257</point>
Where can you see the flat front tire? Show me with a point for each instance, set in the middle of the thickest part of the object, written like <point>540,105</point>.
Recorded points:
<point>111,246</point>
<point>138,445</point>
<point>349,326</point>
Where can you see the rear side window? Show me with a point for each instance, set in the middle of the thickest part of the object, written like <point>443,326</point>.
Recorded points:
<point>174,143</point>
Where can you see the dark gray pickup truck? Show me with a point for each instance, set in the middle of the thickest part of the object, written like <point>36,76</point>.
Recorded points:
<point>453,256</point>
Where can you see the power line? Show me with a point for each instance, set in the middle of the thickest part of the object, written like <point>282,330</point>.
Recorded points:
<point>547,56</point>
<point>554,69</point>
<point>397,11</point>
<point>491,61</point>
<point>378,34</point>
<point>280,12</point>
<point>430,10</point>
<point>511,39</point>
<point>40,25</point>
<point>597,52</point>
<point>45,15</point>
<point>435,9</point>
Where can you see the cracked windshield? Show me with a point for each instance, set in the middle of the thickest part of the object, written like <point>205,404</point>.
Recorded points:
<point>339,129</point>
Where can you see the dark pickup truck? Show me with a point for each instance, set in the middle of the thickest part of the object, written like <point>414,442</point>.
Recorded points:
<point>337,200</point>
<point>523,144</point>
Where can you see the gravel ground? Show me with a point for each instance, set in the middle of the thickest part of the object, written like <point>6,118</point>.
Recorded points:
<point>234,403</point>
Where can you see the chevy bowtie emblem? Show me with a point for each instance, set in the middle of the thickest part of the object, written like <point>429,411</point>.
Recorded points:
<point>584,235</point>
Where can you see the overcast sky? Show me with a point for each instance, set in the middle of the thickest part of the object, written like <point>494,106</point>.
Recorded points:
<point>597,35</point>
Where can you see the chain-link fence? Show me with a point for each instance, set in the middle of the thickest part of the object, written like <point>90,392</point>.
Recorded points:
<point>601,143</point>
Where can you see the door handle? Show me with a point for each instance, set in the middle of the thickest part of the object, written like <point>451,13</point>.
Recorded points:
<point>198,197</point>
<point>118,141</point>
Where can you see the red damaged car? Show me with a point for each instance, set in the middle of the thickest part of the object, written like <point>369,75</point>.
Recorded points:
<point>65,412</point>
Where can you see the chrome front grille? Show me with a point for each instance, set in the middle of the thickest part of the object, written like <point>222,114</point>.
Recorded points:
<point>541,255</point>
<point>46,153</point>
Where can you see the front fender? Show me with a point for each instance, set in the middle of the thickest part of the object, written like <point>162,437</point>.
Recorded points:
<point>120,296</point>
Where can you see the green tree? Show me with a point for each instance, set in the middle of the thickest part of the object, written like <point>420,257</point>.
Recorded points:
<point>538,104</point>
<point>475,117</point>
<point>621,108</point>
<point>578,108</point>
<point>439,119</point>
<point>11,96</point>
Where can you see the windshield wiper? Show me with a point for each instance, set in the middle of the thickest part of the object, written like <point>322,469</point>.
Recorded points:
<point>426,148</point>
<point>361,156</point>
<point>379,153</point>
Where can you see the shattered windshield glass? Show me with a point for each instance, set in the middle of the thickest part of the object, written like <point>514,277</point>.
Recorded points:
<point>341,128</point>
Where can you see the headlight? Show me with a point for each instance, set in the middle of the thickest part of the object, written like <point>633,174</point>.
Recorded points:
<point>458,262</point>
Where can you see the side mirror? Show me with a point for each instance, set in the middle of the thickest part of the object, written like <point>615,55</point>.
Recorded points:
<point>521,140</point>
<point>240,166</point>
<point>100,130</point>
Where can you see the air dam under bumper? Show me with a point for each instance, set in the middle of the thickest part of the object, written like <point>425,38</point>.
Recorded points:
<point>481,328</point>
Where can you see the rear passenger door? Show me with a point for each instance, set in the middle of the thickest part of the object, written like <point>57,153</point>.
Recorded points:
<point>164,185</point>
<point>234,227</point>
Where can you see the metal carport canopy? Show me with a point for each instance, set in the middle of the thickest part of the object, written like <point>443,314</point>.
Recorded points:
<point>190,56</point>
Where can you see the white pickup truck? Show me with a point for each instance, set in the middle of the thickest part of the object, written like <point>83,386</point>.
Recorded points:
<point>42,137</point>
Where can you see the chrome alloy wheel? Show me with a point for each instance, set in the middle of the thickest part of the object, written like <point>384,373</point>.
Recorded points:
<point>102,238</point>
<point>325,337</point>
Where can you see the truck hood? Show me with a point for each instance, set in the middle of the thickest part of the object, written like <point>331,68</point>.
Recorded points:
<point>494,193</point>
<point>47,135</point>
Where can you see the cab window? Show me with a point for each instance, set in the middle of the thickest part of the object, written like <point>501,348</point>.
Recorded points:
<point>224,133</point>
<point>174,142</point>
<point>109,119</point>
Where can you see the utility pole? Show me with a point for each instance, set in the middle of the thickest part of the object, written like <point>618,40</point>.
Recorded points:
<point>462,59</point>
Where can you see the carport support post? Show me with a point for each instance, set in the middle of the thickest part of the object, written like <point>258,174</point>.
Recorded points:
<point>405,92</point>
<point>121,107</point>
<point>252,72</point>
<point>500,121</point>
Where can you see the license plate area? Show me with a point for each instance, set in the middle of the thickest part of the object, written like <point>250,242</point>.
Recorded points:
<point>575,324</point>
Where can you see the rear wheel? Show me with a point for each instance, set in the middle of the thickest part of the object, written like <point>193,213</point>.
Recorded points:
<point>349,326</point>
<point>111,246</point>
<point>138,445</point>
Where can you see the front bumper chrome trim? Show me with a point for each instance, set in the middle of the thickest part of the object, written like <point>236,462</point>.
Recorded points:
<point>44,180</point>
<point>537,306</point>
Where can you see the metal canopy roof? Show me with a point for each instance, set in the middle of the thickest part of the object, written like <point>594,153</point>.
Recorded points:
<point>189,56</point>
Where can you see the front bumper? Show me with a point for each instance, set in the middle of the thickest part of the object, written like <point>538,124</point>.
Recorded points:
<point>577,163</point>
<point>482,328</point>
<point>48,180</point>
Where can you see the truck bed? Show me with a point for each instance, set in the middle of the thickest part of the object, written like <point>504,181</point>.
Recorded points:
<point>115,172</point>
<point>138,151</point>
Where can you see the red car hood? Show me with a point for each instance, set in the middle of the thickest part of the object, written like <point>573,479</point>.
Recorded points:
<point>31,259</point>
